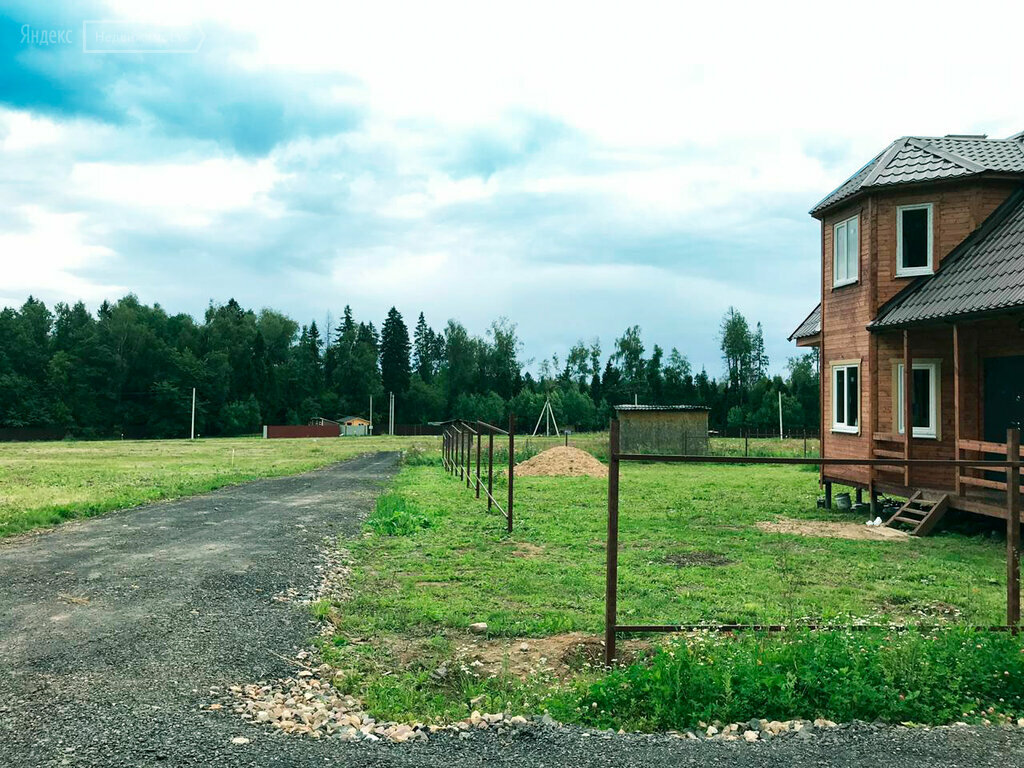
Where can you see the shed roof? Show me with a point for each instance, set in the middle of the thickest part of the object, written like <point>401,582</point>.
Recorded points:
<point>343,419</point>
<point>913,159</point>
<point>811,325</point>
<point>631,407</point>
<point>983,275</point>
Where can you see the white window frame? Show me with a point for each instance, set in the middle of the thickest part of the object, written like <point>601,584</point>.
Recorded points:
<point>935,368</point>
<point>929,268</point>
<point>843,227</point>
<point>845,426</point>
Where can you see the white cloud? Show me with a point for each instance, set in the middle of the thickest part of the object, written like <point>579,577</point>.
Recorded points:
<point>187,194</point>
<point>20,131</point>
<point>47,257</point>
<point>680,121</point>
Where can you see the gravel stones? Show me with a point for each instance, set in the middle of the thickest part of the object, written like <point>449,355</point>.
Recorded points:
<point>309,705</point>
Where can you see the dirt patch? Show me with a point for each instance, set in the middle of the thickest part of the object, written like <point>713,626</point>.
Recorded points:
<point>829,530</point>
<point>696,557</point>
<point>558,654</point>
<point>562,461</point>
<point>526,550</point>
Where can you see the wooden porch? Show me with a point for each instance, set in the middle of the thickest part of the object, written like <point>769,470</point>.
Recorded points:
<point>958,424</point>
<point>973,490</point>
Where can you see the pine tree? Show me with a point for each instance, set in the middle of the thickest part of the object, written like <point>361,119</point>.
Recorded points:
<point>423,349</point>
<point>395,365</point>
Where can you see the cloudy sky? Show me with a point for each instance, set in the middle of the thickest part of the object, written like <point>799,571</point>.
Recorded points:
<point>576,167</point>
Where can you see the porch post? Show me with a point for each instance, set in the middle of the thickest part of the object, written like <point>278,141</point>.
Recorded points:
<point>957,394</point>
<point>908,404</point>
<point>1013,528</point>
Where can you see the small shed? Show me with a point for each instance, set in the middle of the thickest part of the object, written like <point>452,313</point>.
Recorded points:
<point>664,429</point>
<point>354,425</point>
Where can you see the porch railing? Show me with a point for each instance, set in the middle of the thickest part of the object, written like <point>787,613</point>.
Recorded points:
<point>970,477</point>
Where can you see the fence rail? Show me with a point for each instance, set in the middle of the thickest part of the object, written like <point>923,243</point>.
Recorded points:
<point>1011,465</point>
<point>457,439</point>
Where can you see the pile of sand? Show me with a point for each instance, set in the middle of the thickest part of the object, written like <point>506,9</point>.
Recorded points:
<point>562,462</point>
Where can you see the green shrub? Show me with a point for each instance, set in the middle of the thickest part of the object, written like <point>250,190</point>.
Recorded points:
<point>419,455</point>
<point>396,516</point>
<point>934,678</point>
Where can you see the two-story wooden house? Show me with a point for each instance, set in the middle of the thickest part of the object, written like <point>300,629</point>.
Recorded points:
<point>923,271</point>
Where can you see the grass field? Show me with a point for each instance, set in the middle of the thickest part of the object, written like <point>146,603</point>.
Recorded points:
<point>44,484</point>
<point>690,552</point>
<point>434,561</point>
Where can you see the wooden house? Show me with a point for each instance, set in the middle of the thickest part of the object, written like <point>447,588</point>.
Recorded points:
<point>923,271</point>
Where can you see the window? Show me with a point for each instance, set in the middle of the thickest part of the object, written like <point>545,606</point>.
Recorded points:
<point>925,406</point>
<point>845,397</point>
<point>914,240</point>
<point>845,252</point>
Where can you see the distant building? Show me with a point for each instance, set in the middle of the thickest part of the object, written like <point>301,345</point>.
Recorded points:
<point>355,425</point>
<point>663,429</point>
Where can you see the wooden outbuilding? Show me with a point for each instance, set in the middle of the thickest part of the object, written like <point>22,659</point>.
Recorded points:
<point>664,429</point>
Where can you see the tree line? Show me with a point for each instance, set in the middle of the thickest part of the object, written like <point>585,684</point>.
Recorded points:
<point>129,370</point>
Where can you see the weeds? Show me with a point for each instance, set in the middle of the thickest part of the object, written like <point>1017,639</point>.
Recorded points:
<point>395,515</point>
<point>936,678</point>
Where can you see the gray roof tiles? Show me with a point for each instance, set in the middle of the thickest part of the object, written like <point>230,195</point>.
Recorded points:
<point>984,274</point>
<point>915,159</point>
<point>811,325</point>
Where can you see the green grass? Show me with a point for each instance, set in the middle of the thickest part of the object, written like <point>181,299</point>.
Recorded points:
<point>43,484</point>
<point>690,552</point>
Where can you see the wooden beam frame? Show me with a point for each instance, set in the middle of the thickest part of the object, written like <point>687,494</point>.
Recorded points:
<point>1013,528</point>
<point>957,410</point>
<point>908,403</point>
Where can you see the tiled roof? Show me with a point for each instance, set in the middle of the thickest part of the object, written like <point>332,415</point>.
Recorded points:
<point>811,326</point>
<point>918,158</point>
<point>631,407</point>
<point>983,275</point>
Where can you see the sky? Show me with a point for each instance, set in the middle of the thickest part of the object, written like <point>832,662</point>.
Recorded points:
<point>576,167</point>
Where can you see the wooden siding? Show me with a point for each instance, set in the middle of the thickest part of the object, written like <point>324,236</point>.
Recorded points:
<point>959,208</point>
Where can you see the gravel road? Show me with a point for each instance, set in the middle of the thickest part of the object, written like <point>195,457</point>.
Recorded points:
<point>113,630</point>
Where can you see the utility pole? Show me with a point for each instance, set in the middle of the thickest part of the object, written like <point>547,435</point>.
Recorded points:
<point>780,415</point>
<point>391,414</point>
<point>371,414</point>
<point>193,432</point>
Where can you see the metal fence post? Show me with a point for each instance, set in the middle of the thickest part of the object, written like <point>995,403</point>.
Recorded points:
<point>490,470</point>
<point>511,466</point>
<point>612,554</point>
<point>479,437</point>
<point>1013,528</point>
<point>469,457</point>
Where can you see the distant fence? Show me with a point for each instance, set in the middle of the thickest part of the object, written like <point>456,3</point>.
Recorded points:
<point>303,430</point>
<point>765,434</point>
<point>12,434</point>
<point>418,430</point>
<point>457,438</point>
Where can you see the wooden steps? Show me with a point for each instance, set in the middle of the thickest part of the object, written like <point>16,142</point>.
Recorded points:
<point>919,514</point>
